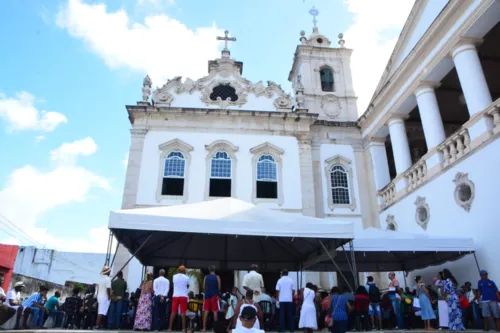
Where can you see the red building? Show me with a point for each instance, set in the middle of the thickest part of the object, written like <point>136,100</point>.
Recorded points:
<point>8,254</point>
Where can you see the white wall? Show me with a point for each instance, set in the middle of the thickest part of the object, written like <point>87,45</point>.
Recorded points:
<point>148,179</point>
<point>449,219</point>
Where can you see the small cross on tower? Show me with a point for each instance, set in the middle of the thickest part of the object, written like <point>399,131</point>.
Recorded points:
<point>226,38</point>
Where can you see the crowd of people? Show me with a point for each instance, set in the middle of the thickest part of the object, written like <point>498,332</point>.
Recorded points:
<point>157,305</point>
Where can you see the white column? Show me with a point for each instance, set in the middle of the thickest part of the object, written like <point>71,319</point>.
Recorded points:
<point>471,76</point>
<point>399,142</point>
<point>429,114</point>
<point>379,162</point>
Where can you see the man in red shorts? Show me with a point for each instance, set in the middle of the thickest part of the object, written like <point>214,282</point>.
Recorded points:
<point>180,297</point>
<point>211,304</point>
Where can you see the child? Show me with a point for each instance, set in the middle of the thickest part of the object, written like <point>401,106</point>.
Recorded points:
<point>231,306</point>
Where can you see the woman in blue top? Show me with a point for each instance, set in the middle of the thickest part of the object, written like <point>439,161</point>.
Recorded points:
<point>339,308</point>
<point>425,303</point>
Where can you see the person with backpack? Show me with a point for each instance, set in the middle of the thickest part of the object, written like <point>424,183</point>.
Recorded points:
<point>375,299</point>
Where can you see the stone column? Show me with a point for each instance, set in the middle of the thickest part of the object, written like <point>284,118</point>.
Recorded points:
<point>399,142</point>
<point>306,175</point>
<point>131,186</point>
<point>380,164</point>
<point>429,114</point>
<point>474,86</point>
<point>366,187</point>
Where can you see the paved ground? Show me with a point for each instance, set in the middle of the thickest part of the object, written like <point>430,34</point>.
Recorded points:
<point>124,331</point>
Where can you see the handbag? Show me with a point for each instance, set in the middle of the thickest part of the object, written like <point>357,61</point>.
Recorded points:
<point>330,322</point>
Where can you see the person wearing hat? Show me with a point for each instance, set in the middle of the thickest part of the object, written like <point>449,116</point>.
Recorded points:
<point>179,297</point>
<point>103,295</point>
<point>34,305</point>
<point>14,301</point>
<point>248,317</point>
<point>488,294</point>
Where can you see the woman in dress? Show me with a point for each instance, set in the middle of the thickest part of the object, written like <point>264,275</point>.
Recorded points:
<point>454,312</point>
<point>248,301</point>
<point>425,303</point>
<point>308,319</point>
<point>233,301</point>
<point>339,309</point>
<point>145,305</point>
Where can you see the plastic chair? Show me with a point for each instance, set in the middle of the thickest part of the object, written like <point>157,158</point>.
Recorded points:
<point>267,310</point>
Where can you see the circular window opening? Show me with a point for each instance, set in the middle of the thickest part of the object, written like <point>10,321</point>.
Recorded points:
<point>464,192</point>
<point>422,214</point>
<point>319,40</point>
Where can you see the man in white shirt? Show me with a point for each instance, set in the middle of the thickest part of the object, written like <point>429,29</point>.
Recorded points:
<point>180,297</point>
<point>285,289</point>
<point>253,281</point>
<point>248,317</point>
<point>14,301</point>
<point>161,287</point>
<point>103,295</point>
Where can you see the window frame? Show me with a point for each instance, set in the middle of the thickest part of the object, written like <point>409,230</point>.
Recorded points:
<point>333,78</point>
<point>212,149</point>
<point>268,148</point>
<point>347,165</point>
<point>165,149</point>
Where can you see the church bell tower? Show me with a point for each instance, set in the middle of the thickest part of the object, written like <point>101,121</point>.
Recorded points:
<point>321,76</point>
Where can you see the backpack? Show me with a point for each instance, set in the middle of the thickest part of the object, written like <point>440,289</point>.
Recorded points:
<point>374,294</point>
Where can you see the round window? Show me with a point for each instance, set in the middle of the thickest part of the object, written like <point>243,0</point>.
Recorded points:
<point>464,192</point>
<point>422,214</point>
<point>319,40</point>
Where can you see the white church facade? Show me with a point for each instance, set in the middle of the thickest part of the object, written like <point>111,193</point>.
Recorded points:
<point>422,158</point>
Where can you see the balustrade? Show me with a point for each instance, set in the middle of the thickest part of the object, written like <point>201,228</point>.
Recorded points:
<point>455,147</point>
<point>416,175</point>
<point>388,194</point>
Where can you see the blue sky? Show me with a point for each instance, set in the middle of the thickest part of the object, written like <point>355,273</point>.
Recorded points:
<point>69,67</point>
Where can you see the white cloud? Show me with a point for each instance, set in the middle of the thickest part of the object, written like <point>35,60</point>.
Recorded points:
<point>373,35</point>
<point>67,153</point>
<point>160,46</point>
<point>155,2</point>
<point>21,114</point>
<point>39,138</point>
<point>31,192</point>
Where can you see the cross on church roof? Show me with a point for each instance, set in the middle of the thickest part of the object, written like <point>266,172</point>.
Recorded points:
<point>314,12</point>
<point>226,39</point>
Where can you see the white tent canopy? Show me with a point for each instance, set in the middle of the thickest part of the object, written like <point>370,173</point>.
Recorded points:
<point>230,233</point>
<point>378,250</point>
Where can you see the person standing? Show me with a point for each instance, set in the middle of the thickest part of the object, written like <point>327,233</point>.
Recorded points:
<point>118,289</point>
<point>14,301</point>
<point>393,293</point>
<point>424,299</point>
<point>103,295</point>
<point>179,297</point>
<point>212,285</point>
<point>73,306</point>
<point>161,288</point>
<point>232,303</point>
<point>145,305</point>
<point>52,306</point>
<point>487,289</point>
<point>454,312</point>
<point>374,296</point>
<point>339,310</point>
<point>34,305</point>
<point>253,281</point>
<point>285,290</point>
<point>308,320</point>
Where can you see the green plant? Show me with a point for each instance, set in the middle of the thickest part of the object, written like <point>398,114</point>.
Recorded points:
<point>196,273</point>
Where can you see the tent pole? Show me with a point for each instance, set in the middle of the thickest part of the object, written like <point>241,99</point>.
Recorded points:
<point>405,273</point>
<point>347,258</point>
<point>108,248</point>
<point>477,262</point>
<point>353,261</point>
<point>338,268</point>
<point>114,256</point>
<point>133,255</point>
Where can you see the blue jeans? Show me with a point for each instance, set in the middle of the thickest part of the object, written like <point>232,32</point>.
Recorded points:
<point>59,315</point>
<point>37,316</point>
<point>396,306</point>
<point>115,314</point>
<point>159,313</point>
<point>339,326</point>
<point>477,316</point>
<point>286,307</point>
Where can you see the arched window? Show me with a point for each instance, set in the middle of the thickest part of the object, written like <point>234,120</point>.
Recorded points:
<point>220,175</point>
<point>173,174</point>
<point>224,91</point>
<point>326,76</point>
<point>267,178</point>
<point>339,185</point>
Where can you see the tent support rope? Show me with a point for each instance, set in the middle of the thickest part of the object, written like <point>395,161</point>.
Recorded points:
<point>133,255</point>
<point>477,262</point>
<point>114,256</point>
<point>355,274</point>
<point>108,249</point>
<point>335,264</point>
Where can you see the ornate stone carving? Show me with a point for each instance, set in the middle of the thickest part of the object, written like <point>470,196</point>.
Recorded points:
<point>146,88</point>
<point>161,97</point>
<point>422,213</point>
<point>283,102</point>
<point>464,190</point>
<point>330,104</point>
<point>391,223</point>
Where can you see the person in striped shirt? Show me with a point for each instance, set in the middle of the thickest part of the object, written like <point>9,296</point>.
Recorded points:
<point>34,305</point>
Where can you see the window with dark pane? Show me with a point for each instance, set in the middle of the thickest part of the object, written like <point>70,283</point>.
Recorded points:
<point>267,180</point>
<point>326,75</point>
<point>220,175</point>
<point>224,91</point>
<point>339,185</point>
<point>173,174</point>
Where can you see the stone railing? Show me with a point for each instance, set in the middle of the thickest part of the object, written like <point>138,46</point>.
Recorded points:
<point>455,147</point>
<point>388,194</point>
<point>495,113</point>
<point>416,175</point>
